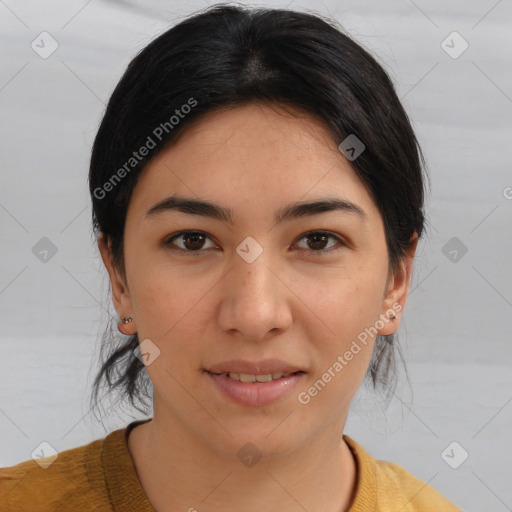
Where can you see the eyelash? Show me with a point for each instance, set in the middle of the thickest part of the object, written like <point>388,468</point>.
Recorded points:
<point>198,252</point>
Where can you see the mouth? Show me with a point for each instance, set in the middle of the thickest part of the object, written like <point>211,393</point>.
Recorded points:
<point>256,378</point>
<point>250,371</point>
<point>255,389</point>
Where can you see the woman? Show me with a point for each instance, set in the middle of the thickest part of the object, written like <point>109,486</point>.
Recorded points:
<point>257,193</point>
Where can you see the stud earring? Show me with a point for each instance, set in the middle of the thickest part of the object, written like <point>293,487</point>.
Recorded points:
<point>392,316</point>
<point>124,321</point>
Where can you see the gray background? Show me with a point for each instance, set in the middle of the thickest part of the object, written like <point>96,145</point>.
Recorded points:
<point>456,334</point>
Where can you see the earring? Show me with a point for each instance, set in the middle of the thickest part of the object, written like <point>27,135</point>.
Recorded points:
<point>392,316</point>
<point>122,323</point>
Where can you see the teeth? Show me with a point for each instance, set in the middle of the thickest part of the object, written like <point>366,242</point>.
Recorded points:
<point>245,377</point>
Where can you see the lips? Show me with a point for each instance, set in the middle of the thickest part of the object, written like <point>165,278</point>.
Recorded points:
<point>253,392</point>
<point>246,377</point>
<point>255,384</point>
<point>264,367</point>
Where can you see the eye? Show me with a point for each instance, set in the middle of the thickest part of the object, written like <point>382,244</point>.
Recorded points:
<point>318,240</point>
<point>193,242</point>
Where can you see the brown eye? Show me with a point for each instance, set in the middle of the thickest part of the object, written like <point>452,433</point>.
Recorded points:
<point>192,242</point>
<point>317,242</point>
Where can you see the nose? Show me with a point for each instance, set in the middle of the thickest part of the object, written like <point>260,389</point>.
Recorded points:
<point>255,300</point>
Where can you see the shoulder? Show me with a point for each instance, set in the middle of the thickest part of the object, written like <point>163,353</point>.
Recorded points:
<point>389,487</point>
<point>71,480</point>
<point>414,494</point>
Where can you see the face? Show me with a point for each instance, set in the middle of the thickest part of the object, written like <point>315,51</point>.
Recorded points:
<point>261,281</point>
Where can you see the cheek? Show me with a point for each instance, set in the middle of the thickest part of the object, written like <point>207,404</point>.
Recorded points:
<point>164,302</point>
<point>345,301</point>
<point>344,309</point>
<point>341,355</point>
<point>172,307</point>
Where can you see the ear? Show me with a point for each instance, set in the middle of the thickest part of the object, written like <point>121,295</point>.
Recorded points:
<point>397,290</point>
<point>120,292</point>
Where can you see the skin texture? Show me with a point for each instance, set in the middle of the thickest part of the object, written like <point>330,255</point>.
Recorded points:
<point>290,303</point>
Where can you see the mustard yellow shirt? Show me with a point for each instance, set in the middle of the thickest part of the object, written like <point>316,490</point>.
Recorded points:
<point>101,477</point>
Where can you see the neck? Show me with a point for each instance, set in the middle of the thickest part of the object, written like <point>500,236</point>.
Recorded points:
<point>178,471</point>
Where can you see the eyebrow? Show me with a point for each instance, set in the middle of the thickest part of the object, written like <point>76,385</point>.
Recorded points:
<point>286,213</point>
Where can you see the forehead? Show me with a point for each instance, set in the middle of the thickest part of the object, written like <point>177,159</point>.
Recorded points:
<point>250,158</point>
